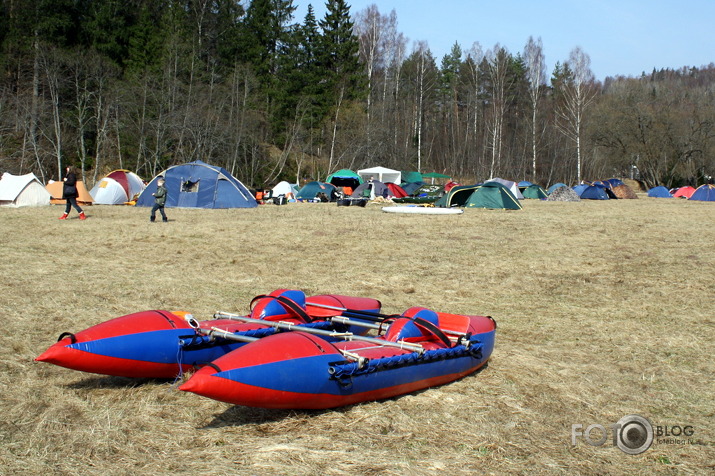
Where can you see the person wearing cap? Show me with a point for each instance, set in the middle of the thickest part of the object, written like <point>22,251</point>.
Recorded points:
<point>159,200</point>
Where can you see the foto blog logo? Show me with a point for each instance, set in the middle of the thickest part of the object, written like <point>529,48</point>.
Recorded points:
<point>632,434</point>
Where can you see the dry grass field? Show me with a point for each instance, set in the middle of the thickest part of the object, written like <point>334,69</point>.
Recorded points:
<point>605,309</point>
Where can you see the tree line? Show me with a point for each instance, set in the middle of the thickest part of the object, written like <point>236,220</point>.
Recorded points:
<point>146,84</point>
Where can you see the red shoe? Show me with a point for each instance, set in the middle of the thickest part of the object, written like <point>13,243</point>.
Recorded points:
<point>63,217</point>
<point>82,216</point>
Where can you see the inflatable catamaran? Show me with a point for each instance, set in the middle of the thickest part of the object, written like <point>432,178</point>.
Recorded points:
<point>289,352</point>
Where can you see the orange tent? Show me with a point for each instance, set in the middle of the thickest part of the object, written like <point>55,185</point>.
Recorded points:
<point>55,189</point>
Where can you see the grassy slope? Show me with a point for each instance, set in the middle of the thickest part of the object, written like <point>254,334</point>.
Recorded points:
<point>604,309</point>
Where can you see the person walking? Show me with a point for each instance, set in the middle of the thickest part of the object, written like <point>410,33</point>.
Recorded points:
<point>70,194</point>
<point>159,200</point>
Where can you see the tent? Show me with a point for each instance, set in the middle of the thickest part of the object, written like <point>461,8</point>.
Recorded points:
<point>555,186</point>
<point>117,187</point>
<point>412,187</point>
<point>513,188</point>
<point>623,191</point>
<point>374,188</point>
<point>311,190</point>
<point>55,189</point>
<point>381,174</point>
<point>591,192</point>
<point>612,182</point>
<point>523,184</point>
<point>704,193</point>
<point>659,192</point>
<point>534,191</point>
<point>684,192</point>
<point>284,188</point>
<point>457,197</point>
<point>199,185</point>
<point>345,178</point>
<point>395,191</point>
<point>563,194</point>
<point>22,191</point>
<point>411,177</point>
<point>493,195</point>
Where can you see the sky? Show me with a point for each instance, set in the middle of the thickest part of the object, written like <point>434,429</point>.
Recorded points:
<point>621,37</point>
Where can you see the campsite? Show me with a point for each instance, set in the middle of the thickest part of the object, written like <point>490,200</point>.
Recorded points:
<point>604,309</point>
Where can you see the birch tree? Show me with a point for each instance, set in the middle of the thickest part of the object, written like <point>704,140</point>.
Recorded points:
<point>536,77</point>
<point>578,90</point>
<point>498,69</point>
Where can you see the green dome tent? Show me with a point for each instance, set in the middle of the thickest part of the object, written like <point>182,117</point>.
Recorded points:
<point>493,195</point>
<point>345,178</point>
<point>534,191</point>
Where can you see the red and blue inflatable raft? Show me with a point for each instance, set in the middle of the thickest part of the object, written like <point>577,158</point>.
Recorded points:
<point>317,369</point>
<point>163,344</point>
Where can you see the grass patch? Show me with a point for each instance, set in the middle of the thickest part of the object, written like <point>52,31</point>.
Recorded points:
<point>604,309</point>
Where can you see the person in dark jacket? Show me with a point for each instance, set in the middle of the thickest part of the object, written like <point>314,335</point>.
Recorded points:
<point>70,194</point>
<point>159,200</point>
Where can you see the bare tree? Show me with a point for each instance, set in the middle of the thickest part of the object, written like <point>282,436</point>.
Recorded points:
<point>475,56</point>
<point>369,27</point>
<point>424,85</point>
<point>578,91</point>
<point>52,64</point>
<point>498,63</point>
<point>536,76</point>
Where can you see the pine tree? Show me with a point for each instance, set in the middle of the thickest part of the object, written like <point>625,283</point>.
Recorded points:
<point>339,52</point>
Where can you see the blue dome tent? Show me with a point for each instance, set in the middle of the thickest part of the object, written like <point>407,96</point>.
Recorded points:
<point>659,192</point>
<point>705,193</point>
<point>591,192</point>
<point>199,185</point>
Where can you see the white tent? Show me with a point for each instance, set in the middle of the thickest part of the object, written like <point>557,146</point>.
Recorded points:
<point>284,188</point>
<point>381,174</point>
<point>22,191</point>
<point>118,187</point>
<point>512,186</point>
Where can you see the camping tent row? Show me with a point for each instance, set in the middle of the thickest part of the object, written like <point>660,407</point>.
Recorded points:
<point>704,193</point>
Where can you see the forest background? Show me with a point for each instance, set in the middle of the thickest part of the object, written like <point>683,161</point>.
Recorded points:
<point>146,84</point>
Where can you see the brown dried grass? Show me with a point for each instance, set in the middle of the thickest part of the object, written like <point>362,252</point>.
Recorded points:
<point>593,325</point>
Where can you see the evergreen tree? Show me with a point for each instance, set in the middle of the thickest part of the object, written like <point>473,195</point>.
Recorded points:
<point>145,40</point>
<point>300,72</point>
<point>106,28</point>
<point>339,53</point>
<point>265,29</point>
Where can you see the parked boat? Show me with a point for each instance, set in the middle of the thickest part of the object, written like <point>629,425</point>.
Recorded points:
<point>302,370</point>
<point>163,344</point>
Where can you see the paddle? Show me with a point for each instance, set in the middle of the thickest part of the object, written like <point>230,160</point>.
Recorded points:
<point>356,313</point>
<point>380,327</point>
<point>220,332</point>
<point>348,336</point>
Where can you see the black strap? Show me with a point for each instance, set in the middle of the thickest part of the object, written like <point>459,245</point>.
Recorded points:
<point>72,337</point>
<point>288,305</point>
<point>436,331</point>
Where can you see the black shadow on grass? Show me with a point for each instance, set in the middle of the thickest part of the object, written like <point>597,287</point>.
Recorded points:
<point>107,381</point>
